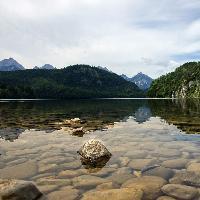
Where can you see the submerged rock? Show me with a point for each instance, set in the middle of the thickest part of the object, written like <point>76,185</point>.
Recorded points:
<point>186,178</point>
<point>160,171</point>
<point>180,191</point>
<point>19,171</point>
<point>117,194</point>
<point>175,163</point>
<point>165,198</point>
<point>78,132</point>
<point>150,185</point>
<point>194,167</point>
<point>139,164</point>
<point>94,154</point>
<point>87,181</point>
<point>107,186</point>
<point>11,189</point>
<point>67,192</point>
<point>79,127</point>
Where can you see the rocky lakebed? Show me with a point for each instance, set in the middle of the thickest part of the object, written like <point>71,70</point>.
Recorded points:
<point>148,160</point>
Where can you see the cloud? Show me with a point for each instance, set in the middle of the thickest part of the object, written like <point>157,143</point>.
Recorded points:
<point>126,36</point>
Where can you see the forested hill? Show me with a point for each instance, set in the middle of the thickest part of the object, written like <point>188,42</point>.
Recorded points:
<point>77,81</point>
<point>184,82</point>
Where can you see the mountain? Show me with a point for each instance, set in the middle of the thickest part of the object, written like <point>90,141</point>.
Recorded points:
<point>184,82</point>
<point>47,66</point>
<point>77,81</point>
<point>141,80</point>
<point>125,77</point>
<point>36,67</point>
<point>10,65</point>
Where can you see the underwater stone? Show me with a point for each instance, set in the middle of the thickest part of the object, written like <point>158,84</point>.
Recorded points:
<point>11,189</point>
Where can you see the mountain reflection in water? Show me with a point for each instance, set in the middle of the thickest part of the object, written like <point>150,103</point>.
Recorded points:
<point>15,117</point>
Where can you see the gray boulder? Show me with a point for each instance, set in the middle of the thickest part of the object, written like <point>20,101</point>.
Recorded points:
<point>11,189</point>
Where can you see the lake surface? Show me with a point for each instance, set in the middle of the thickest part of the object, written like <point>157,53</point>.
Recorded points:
<point>148,138</point>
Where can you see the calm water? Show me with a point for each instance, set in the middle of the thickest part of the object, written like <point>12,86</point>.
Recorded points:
<point>37,144</point>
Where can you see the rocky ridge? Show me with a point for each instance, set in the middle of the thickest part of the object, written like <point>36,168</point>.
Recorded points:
<point>10,65</point>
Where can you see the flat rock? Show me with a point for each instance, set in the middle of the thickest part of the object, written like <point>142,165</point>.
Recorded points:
<point>163,172</point>
<point>120,178</point>
<point>138,164</point>
<point>87,181</point>
<point>106,186</point>
<point>180,191</point>
<point>11,189</point>
<point>68,193</point>
<point>165,198</point>
<point>186,178</point>
<point>47,167</point>
<point>20,171</point>
<point>45,189</point>
<point>175,163</point>
<point>194,167</point>
<point>69,174</point>
<point>150,185</point>
<point>53,181</point>
<point>115,194</point>
<point>104,172</point>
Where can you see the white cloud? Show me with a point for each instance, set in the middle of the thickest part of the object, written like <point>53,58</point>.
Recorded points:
<point>126,36</point>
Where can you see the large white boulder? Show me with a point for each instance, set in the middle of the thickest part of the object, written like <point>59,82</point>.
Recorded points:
<point>94,152</point>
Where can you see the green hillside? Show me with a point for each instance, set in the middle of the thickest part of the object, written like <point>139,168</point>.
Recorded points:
<point>184,82</point>
<point>77,81</point>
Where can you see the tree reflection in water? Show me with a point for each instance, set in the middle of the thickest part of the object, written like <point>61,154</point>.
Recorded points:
<point>15,117</point>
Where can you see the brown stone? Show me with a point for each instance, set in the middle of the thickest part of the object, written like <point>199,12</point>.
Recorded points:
<point>115,194</point>
<point>68,193</point>
<point>175,163</point>
<point>150,185</point>
<point>138,164</point>
<point>194,167</point>
<point>180,191</point>
<point>106,186</point>
<point>165,198</point>
<point>87,181</point>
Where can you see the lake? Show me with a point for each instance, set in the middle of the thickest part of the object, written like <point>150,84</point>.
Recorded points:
<point>152,142</point>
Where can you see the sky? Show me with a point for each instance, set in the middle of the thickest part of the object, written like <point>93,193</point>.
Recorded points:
<point>129,36</point>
